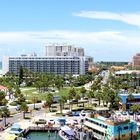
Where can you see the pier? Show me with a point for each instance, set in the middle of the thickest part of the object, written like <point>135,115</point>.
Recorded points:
<point>37,128</point>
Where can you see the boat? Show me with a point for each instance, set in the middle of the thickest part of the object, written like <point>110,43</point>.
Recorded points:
<point>66,133</point>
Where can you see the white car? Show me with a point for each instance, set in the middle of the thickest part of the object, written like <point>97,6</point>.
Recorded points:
<point>118,113</point>
<point>125,113</point>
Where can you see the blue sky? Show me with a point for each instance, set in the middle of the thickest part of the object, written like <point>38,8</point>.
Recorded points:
<point>109,30</point>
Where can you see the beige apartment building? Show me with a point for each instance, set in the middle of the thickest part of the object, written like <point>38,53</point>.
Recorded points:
<point>136,60</point>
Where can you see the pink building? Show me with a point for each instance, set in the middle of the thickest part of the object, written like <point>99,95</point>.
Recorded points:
<point>2,88</point>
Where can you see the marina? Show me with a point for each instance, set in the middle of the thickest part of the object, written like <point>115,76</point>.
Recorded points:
<point>43,136</point>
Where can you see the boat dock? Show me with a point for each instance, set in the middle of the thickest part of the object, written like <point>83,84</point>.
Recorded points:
<point>37,128</point>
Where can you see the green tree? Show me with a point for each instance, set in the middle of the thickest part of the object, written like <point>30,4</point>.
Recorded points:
<point>4,112</point>
<point>2,98</point>
<point>83,91</point>
<point>72,92</point>
<point>130,96</point>
<point>21,99</point>
<point>71,95</point>
<point>59,82</point>
<point>49,100</point>
<point>135,108</point>
<point>94,87</point>
<point>98,95</point>
<point>64,98</point>
<point>24,108</point>
<point>17,92</point>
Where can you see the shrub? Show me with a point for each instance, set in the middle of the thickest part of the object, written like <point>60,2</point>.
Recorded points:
<point>29,102</point>
<point>13,103</point>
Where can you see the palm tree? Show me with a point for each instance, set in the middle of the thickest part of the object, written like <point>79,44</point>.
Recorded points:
<point>17,92</point>
<point>130,96</point>
<point>90,95</point>
<point>24,108</point>
<point>59,82</point>
<point>62,100</point>
<point>83,91</point>
<point>21,99</point>
<point>38,85</point>
<point>135,108</point>
<point>72,92</point>
<point>71,95</point>
<point>4,112</point>
<point>98,95</point>
<point>34,100</point>
<point>94,87</point>
<point>49,100</point>
<point>112,95</point>
<point>77,97</point>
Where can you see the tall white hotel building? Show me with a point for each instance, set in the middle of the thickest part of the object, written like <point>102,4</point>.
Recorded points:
<point>58,59</point>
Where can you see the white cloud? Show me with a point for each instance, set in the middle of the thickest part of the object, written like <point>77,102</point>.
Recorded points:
<point>62,36</point>
<point>109,45</point>
<point>129,18</point>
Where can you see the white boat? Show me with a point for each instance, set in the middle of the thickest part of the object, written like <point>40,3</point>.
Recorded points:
<point>66,133</point>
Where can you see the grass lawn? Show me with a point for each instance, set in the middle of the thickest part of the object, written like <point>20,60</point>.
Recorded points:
<point>29,93</point>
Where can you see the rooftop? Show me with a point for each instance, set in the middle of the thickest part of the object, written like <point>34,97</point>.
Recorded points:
<point>127,72</point>
<point>113,120</point>
<point>3,88</point>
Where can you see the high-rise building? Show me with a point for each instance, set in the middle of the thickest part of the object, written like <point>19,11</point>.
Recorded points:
<point>50,64</point>
<point>63,50</point>
<point>58,60</point>
<point>136,60</point>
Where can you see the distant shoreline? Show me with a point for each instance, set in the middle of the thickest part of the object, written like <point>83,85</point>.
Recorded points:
<point>0,67</point>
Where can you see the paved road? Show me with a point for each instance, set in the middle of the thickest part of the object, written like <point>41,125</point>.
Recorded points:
<point>19,116</point>
<point>13,108</point>
<point>105,75</point>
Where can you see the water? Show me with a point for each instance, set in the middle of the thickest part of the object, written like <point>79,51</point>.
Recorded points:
<point>43,136</point>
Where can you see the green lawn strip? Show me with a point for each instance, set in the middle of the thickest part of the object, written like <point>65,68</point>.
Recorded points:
<point>29,93</point>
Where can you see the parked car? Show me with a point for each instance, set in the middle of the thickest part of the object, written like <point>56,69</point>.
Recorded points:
<point>51,122</point>
<point>76,113</point>
<point>130,112</point>
<point>85,98</point>
<point>73,101</point>
<point>17,107</point>
<point>125,113</point>
<point>137,113</point>
<point>70,114</point>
